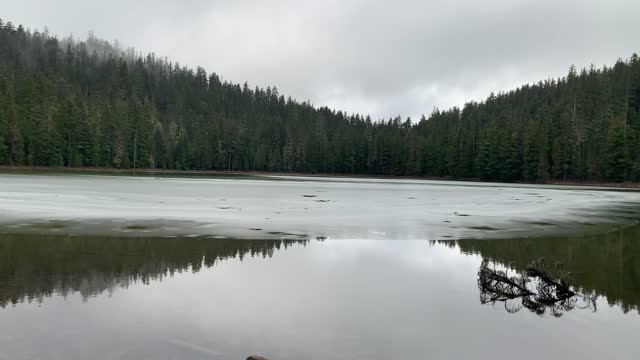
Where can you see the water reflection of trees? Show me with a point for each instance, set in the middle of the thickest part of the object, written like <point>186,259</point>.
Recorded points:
<point>606,264</point>
<point>35,267</point>
<point>539,288</point>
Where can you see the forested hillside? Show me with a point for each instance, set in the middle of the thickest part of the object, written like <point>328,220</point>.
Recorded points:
<point>89,103</point>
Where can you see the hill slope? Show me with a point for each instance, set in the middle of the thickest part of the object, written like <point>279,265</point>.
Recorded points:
<point>68,103</point>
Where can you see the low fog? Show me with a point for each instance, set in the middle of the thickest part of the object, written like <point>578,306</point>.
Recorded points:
<point>379,58</point>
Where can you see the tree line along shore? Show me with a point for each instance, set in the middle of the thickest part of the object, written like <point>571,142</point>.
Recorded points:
<point>90,104</point>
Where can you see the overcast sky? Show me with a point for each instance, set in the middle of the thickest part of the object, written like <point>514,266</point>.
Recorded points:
<point>384,58</point>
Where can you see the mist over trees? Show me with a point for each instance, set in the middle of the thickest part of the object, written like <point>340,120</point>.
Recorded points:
<point>90,103</point>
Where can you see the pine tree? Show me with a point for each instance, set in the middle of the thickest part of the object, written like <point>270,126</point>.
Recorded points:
<point>616,156</point>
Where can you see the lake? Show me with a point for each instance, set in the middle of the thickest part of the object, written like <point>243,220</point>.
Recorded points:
<point>121,267</point>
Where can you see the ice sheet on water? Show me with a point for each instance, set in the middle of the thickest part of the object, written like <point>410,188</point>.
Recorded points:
<point>339,208</point>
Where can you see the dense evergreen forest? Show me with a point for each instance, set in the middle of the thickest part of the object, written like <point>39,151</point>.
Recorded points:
<point>90,103</point>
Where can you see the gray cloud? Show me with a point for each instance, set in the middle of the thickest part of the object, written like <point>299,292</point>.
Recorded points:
<point>382,58</point>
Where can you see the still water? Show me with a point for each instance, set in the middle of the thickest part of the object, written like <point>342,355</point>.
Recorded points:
<point>161,284</point>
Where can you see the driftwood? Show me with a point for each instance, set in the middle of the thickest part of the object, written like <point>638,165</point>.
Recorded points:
<point>538,288</point>
<point>255,357</point>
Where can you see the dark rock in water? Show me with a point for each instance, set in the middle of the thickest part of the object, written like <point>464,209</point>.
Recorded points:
<point>255,357</point>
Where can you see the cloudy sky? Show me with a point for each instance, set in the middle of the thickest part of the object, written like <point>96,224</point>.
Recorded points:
<point>384,58</point>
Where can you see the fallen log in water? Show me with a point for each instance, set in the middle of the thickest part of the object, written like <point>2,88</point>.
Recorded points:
<point>539,288</point>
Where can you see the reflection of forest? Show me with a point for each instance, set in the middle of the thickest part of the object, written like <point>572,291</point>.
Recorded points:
<point>35,267</point>
<point>607,264</point>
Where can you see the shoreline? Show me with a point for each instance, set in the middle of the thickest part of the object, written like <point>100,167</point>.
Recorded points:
<point>151,171</point>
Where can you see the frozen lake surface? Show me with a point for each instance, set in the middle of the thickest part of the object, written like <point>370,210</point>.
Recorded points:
<point>298,207</point>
